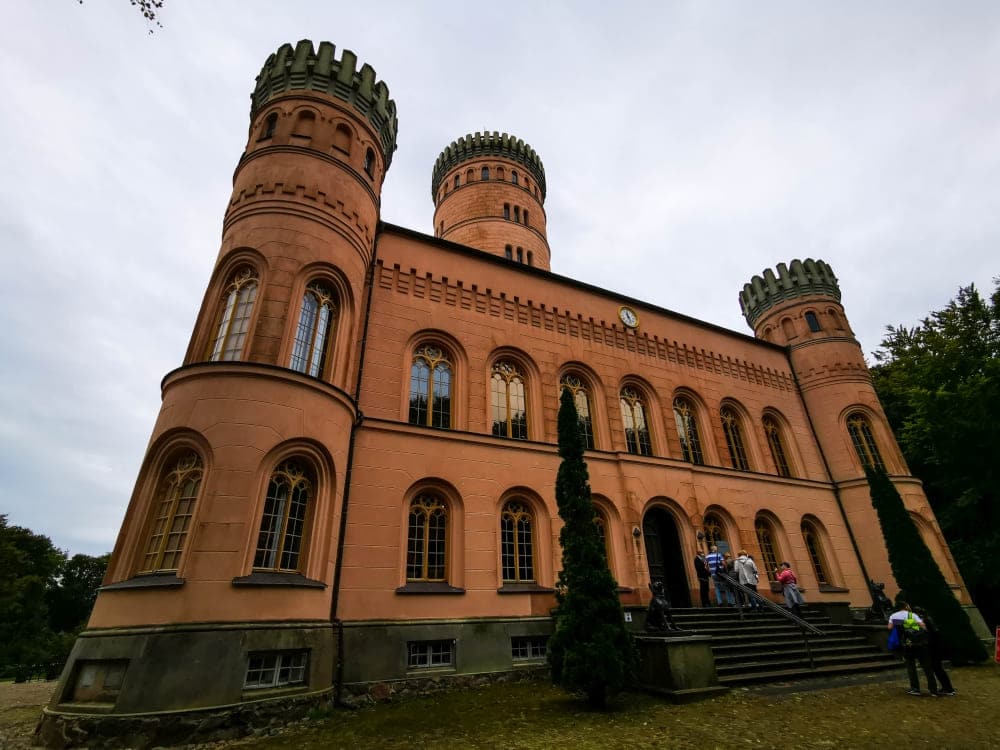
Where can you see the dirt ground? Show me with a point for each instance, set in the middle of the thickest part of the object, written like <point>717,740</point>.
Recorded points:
<point>858,712</point>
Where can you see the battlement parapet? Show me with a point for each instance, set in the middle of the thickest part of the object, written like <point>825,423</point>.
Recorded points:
<point>301,68</point>
<point>799,278</point>
<point>477,145</point>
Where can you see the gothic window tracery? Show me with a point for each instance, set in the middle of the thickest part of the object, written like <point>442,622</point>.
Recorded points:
<point>776,443</point>
<point>427,538</point>
<point>430,387</point>
<point>733,430</point>
<point>863,439</point>
<point>316,322</point>
<point>581,399</point>
<point>175,503</point>
<point>508,401</point>
<point>282,525</point>
<point>517,557</point>
<point>234,319</point>
<point>687,431</point>
<point>636,427</point>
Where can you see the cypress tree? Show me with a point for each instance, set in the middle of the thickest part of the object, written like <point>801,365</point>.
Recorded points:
<point>917,574</point>
<point>590,652</point>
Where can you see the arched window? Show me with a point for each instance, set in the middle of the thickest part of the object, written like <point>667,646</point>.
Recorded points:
<point>531,258</point>
<point>581,400</point>
<point>734,439</point>
<point>517,214</point>
<point>815,548</point>
<point>788,328</point>
<point>500,174</point>
<point>282,526</point>
<point>342,138</point>
<point>834,318</point>
<point>777,445</point>
<point>601,521</point>
<point>484,173</point>
<point>636,427</point>
<point>370,162</point>
<point>304,124</point>
<point>506,211</point>
<point>175,501</point>
<point>714,530</point>
<point>430,387</point>
<point>768,547</point>
<point>687,430</point>
<point>813,322</point>
<point>517,555</point>
<point>316,321</point>
<point>235,316</point>
<point>509,405</point>
<point>269,125</point>
<point>520,255</point>
<point>509,252</point>
<point>468,176</point>
<point>513,176</point>
<point>426,550</point>
<point>525,217</point>
<point>864,441</point>
<point>457,180</point>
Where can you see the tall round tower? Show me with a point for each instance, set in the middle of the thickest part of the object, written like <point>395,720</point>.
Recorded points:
<point>219,587</point>
<point>799,308</point>
<point>489,193</point>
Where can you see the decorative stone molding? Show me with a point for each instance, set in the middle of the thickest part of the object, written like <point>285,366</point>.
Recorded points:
<point>479,145</point>
<point>797,279</point>
<point>304,69</point>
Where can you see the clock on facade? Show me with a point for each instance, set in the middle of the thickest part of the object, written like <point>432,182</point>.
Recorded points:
<point>629,317</point>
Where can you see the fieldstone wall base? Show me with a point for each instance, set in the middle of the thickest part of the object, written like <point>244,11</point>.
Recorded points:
<point>359,694</point>
<point>140,732</point>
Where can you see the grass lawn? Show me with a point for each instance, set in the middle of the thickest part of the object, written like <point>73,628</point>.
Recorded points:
<point>535,715</point>
<point>855,713</point>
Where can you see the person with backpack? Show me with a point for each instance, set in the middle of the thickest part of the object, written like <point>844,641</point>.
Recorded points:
<point>936,652</point>
<point>913,637</point>
<point>717,566</point>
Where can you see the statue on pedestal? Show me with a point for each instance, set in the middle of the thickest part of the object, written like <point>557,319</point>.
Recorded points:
<point>658,618</point>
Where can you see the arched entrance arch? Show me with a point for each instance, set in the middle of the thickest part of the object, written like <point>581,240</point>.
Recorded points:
<point>665,554</point>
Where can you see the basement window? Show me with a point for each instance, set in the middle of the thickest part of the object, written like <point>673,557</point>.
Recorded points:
<point>528,647</point>
<point>430,654</point>
<point>98,681</point>
<point>274,669</point>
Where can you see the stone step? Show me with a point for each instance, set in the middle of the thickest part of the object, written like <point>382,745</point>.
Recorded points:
<point>742,650</point>
<point>818,651</point>
<point>797,673</point>
<point>725,671</point>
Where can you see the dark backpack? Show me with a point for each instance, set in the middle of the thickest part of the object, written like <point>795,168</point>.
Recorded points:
<point>913,636</point>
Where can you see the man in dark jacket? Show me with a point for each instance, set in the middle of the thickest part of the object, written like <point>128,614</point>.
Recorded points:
<point>701,570</point>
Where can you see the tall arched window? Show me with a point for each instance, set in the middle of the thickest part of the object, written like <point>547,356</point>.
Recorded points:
<point>517,556</point>
<point>768,547</point>
<point>430,387</point>
<point>235,316</point>
<point>601,521</point>
<point>458,181</point>
<point>485,173</point>
<point>175,501</point>
<point>777,445</point>
<point>370,163</point>
<point>426,551</point>
<point>864,441</point>
<point>282,526</point>
<point>734,439</point>
<point>513,176</point>
<point>815,548</point>
<point>813,322</point>
<point>714,530</point>
<point>304,125</point>
<point>687,430</point>
<point>508,402</point>
<point>581,400</point>
<point>634,419</point>
<point>316,320</point>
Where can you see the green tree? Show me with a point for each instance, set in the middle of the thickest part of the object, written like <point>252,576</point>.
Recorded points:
<point>29,563</point>
<point>917,574</point>
<point>72,597</point>
<point>591,651</point>
<point>940,386</point>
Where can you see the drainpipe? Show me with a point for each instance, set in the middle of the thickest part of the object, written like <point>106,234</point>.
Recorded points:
<point>359,419</point>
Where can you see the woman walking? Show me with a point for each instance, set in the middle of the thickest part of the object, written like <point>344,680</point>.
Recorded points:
<point>790,588</point>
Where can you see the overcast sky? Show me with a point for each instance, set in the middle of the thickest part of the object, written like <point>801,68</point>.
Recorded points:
<point>687,147</point>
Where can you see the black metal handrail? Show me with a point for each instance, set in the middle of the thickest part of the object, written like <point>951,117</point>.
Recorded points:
<point>738,588</point>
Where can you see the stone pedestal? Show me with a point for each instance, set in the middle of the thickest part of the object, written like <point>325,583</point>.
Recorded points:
<point>680,668</point>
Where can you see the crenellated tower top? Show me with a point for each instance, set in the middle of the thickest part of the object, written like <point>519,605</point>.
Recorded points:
<point>479,145</point>
<point>800,278</point>
<point>301,68</point>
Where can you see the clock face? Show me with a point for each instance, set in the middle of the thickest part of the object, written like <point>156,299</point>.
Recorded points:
<point>628,317</point>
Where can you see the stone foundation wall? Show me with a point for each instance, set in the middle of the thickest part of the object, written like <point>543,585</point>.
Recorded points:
<point>358,694</point>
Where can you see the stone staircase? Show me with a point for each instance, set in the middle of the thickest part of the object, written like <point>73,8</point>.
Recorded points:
<point>766,647</point>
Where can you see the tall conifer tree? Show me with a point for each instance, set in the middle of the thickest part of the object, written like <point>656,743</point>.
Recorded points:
<point>590,651</point>
<point>917,574</point>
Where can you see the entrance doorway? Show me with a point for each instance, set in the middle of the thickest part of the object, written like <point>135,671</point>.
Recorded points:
<point>665,557</point>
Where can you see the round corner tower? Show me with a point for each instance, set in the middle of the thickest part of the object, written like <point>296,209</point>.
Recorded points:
<point>219,588</point>
<point>489,193</point>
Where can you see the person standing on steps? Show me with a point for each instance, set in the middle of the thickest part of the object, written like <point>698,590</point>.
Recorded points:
<point>701,571</point>
<point>716,566</point>
<point>748,575</point>
<point>913,636</point>
<point>790,588</point>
